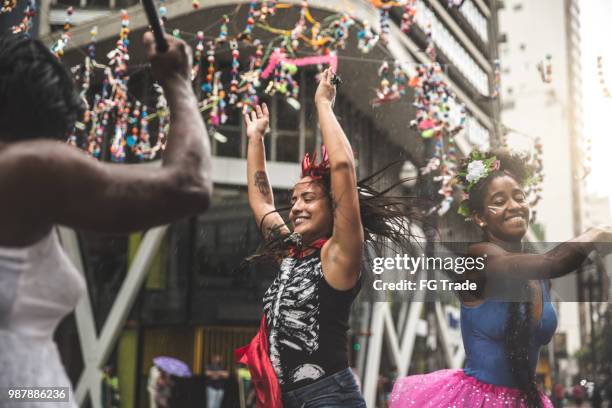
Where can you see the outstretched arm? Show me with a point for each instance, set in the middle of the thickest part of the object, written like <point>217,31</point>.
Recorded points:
<point>560,260</point>
<point>50,182</point>
<point>341,256</point>
<point>261,198</point>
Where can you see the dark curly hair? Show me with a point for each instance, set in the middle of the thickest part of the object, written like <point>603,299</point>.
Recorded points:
<point>37,93</point>
<point>518,334</point>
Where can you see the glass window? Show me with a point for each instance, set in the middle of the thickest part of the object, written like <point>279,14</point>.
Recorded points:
<point>228,141</point>
<point>476,19</point>
<point>477,134</point>
<point>288,117</point>
<point>287,146</point>
<point>311,123</point>
<point>452,48</point>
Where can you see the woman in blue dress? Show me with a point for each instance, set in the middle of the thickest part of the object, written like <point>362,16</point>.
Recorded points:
<point>504,325</point>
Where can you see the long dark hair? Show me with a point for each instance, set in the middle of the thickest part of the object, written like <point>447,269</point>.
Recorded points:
<point>386,218</point>
<point>518,335</point>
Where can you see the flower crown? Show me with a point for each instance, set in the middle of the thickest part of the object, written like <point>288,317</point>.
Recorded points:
<point>476,167</point>
<point>310,168</point>
<point>479,165</point>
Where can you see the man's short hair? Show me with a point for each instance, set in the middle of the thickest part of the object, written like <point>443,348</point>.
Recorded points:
<point>38,98</point>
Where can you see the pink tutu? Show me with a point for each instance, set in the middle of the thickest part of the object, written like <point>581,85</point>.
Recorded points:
<point>454,388</point>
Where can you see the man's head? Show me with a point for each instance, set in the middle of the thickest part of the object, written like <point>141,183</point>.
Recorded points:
<point>216,359</point>
<point>38,98</point>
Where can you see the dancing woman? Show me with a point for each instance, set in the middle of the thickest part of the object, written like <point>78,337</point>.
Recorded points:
<point>300,353</point>
<point>502,337</point>
<point>44,182</point>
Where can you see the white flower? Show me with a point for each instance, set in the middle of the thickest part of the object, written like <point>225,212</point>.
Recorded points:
<point>476,170</point>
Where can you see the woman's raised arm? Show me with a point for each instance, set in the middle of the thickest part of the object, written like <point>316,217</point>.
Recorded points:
<point>261,197</point>
<point>49,182</point>
<point>341,256</point>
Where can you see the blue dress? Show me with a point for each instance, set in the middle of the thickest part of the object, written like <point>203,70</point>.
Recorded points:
<point>486,381</point>
<point>483,332</point>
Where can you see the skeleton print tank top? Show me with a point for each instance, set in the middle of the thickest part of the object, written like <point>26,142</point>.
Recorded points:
<point>307,323</point>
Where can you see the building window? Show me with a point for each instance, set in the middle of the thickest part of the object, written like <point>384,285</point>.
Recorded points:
<point>477,135</point>
<point>478,22</point>
<point>452,48</point>
<point>292,131</point>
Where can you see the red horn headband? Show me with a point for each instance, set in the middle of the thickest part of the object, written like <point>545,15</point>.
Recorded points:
<point>310,168</point>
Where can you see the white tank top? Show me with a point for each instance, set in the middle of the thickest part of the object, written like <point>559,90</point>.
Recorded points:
<point>39,286</point>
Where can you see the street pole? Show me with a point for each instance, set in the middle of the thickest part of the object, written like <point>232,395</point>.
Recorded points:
<point>592,322</point>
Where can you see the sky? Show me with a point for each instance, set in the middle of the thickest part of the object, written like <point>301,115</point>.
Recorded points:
<point>596,32</point>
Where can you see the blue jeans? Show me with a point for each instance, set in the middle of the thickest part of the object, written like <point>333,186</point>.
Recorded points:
<point>214,397</point>
<point>336,391</point>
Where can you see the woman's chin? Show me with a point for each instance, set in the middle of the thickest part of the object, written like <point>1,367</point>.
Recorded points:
<point>299,229</point>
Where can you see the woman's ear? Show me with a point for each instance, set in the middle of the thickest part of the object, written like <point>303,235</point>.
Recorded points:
<point>479,220</point>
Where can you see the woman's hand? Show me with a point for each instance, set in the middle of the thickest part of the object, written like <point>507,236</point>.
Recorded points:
<point>326,91</point>
<point>257,122</point>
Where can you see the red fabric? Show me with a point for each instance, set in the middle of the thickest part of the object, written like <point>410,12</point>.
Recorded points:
<point>256,356</point>
<point>299,253</point>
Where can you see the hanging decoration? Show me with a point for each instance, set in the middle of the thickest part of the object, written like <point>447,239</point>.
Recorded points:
<point>409,15</point>
<point>268,8</point>
<point>246,35</point>
<point>602,80</point>
<point>207,87</point>
<point>8,6</point>
<point>535,183</point>
<point>140,133</point>
<point>438,117</point>
<point>233,94</point>
<point>222,38</point>
<point>367,39</point>
<point>545,69</point>
<point>163,12</point>
<point>280,57</point>
<point>300,26</point>
<point>496,79</point>
<point>58,47</point>
<point>26,22</point>
<point>197,55</point>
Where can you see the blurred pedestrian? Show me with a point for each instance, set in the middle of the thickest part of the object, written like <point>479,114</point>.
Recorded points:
<point>110,388</point>
<point>558,395</point>
<point>152,386</point>
<point>596,398</point>
<point>216,376</point>
<point>163,389</point>
<point>578,394</point>
<point>44,182</point>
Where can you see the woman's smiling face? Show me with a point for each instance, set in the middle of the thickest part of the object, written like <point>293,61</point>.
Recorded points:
<point>311,212</point>
<point>506,210</point>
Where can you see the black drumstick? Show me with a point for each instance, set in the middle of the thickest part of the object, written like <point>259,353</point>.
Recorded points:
<point>335,79</point>
<point>158,30</point>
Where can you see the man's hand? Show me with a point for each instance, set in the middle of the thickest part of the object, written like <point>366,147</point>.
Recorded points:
<point>257,122</point>
<point>326,91</point>
<point>175,63</point>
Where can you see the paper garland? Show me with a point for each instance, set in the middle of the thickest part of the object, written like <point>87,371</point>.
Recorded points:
<point>439,117</point>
